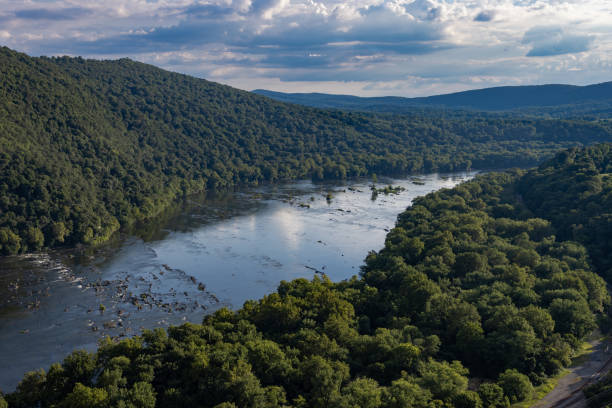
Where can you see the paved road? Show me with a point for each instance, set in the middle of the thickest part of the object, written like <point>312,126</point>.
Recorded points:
<point>568,392</point>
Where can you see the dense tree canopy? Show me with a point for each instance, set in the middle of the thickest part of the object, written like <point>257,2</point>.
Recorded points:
<point>475,281</point>
<point>575,192</point>
<point>88,146</point>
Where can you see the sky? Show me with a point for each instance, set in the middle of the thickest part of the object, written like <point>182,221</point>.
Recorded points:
<point>367,48</point>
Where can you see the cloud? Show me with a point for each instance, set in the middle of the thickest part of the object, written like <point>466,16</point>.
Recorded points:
<point>485,16</point>
<point>268,8</point>
<point>424,10</point>
<point>206,11</point>
<point>69,13</point>
<point>261,8</point>
<point>553,40</point>
<point>408,47</point>
<point>282,42</point>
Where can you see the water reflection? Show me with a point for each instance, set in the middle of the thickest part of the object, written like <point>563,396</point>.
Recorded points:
<point>207,253</point>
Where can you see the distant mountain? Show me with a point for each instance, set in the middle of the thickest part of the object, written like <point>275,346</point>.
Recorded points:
<point>555,99</point>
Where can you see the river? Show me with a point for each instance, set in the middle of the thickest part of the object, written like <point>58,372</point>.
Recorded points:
<point>207,253</point>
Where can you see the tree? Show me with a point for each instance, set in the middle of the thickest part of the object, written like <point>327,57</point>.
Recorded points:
<point>268,361</point>
<point>467,399</point>
<point>30,390</point>
<point>322,380</point>
<point>405,357</point>
<point>10,243</point>
<point>516,386</point>
<point>362,393</point>
<point>572,316</point>
<point>79,366</point>
<point>492,396</point>
<point>59,231</point>
<point>444,380</point>
<point>539,319</point>
<point>403,393</point>
<point>469,262</point>
<point>142,395</point>
<point>35,238</point>
<point>82,396</point>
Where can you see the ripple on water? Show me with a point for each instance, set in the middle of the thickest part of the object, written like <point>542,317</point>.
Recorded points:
<point>216,252</point>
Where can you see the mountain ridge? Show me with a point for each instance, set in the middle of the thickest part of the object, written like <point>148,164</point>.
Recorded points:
<point>89,146</point>
<point>486,99</point>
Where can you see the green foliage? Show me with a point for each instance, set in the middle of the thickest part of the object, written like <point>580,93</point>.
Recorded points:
<point>142,395</point>
<point>574,191</point>
<point>515,385</point>
<point>31,389</point>
<point>89,146</point>
<point>403,393</point>
<point>572,316</point>
<point>82,396</point>
<point>467,399</point>
<point>492,396</point>
<point>497,288</point>
<point>445,381</point>
<point>10,243</point>
<point>471,281</point>
<point>362,393</point>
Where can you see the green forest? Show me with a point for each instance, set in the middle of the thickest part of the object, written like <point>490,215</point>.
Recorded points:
<point>480,293</point>
<point>591,102</point>
<point>88,146</point>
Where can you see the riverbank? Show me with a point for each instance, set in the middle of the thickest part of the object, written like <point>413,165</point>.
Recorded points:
<point>213,252</point>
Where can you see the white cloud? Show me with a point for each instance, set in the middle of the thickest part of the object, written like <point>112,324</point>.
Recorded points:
<point>401,47</point>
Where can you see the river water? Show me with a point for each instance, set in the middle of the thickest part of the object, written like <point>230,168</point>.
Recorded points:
<point>207,253</point>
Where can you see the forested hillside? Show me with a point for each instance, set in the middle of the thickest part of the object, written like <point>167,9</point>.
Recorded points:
<point>88,146</point>
<point>561,101</point>
<point>484,281</point>
<point>574,191</point>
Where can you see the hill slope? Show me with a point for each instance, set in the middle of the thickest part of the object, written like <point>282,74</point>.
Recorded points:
<point>538,99</point>
<point>88,146</point>
<point>477,281</point>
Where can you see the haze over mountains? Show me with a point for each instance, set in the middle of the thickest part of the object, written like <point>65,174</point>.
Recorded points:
<point>558,100</point>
